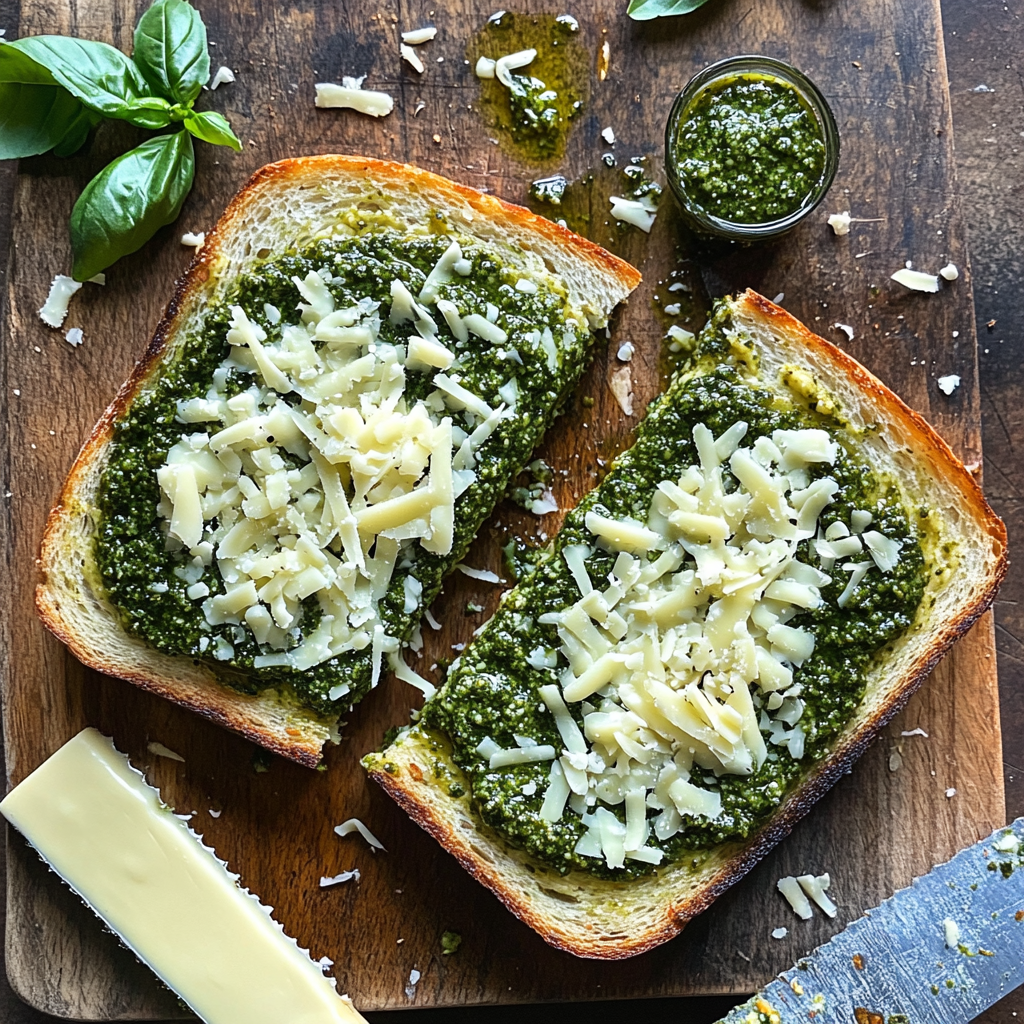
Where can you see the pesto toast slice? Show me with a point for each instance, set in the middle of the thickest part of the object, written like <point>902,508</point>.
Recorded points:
<point>357,362</point>
<point>719,629</point>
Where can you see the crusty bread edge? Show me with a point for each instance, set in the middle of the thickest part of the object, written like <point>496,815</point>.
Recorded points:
<point>181,679</point>
<point>741,857</point>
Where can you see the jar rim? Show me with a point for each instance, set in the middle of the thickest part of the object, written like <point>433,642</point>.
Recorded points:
<point>707,223</point>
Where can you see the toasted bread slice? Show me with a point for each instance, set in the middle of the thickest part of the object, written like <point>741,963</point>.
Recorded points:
<point>286,207</point>
<point>597,917</point>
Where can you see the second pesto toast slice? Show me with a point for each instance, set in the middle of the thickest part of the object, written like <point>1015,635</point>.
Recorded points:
<point>718,630</point>
<point>358,362</point>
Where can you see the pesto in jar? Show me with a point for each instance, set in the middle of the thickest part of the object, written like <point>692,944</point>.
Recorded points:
<point>749,149</point>
<point>159,590</point>
<point>493,697</point>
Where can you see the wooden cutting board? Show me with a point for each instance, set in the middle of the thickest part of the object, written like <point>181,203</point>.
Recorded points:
<point>881,65</point>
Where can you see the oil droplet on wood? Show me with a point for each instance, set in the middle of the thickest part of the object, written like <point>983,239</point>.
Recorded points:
<point>534,118</point>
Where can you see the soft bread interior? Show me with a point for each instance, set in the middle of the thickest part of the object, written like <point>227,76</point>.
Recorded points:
<point>597,918</point>
<point>286,206</point>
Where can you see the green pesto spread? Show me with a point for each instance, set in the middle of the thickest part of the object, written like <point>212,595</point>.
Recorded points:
<point>493,691</point>
<point>147,582</point>
<point>749,150</point>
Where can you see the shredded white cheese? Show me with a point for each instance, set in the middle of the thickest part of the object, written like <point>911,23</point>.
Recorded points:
<point>638,212</point>
<point>504,66</point>
<point>346,876</point>
<point>485,67</point>
<point>326,493</point>
<point>915,280</point>
<point>355,825</point>
<point>55,308</point>
<point>795,897</point>
<point>418,36</point>
<point>949,272</point>
<point>411,57</point>
<point>484,575</point>
<point>815,886</point>
<point>840,222</point>
<point>354,97</point>
<point>608,134</point>
<point>948,384</point>
<point>74,336</point>
<point>681,659</point>
<point>223,76</point>
<point>846,329</point>
<point>161,751</point>
<point>951,932</point>
<point>194,239</point>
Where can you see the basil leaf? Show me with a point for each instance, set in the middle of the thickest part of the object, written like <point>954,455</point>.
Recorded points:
<point>645,10</point>
<point>35,118</point>
<point>170,50</point>
<point>129,200</point>
<point>212,127</point>
<point>75,136</point>
<point>101,76</point>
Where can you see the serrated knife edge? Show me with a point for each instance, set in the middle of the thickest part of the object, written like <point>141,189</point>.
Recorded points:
<point>894,960</point>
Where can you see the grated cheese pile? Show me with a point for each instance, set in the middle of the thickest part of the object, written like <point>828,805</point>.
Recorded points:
<point>321,478</point>
<point>681,662</point>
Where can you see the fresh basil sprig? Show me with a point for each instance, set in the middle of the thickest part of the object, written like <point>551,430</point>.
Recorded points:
<point>55,89</point>
<point>124,205</point>
<point>645,10</point>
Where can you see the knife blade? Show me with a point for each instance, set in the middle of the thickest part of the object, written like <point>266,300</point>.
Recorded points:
<point>893,965</point>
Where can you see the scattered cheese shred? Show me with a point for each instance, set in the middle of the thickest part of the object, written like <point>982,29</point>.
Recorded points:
<point>948,384</point>
<point>915,280</point>
<point>161,751</point>
<point>795,897</point>
<point>639,213</point>
<point>411,57</point>
<point>484,575</point>
<point>840,222</point>
<point>354,97</point>
<point>504,66</point>
<point>949,272</point>
<point>223,76</point>
<point>418,36</point>
<point>196,240</point>
<point>355,825</point>
<point>55,309</point>
<point>346,876</point>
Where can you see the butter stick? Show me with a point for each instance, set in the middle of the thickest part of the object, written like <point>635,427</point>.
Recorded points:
<point>104,830</point>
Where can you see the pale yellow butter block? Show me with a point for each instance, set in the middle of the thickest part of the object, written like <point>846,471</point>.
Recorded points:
<point>104,830</point>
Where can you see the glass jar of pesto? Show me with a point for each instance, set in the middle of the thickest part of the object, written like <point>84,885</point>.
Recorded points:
<point>751,148</point>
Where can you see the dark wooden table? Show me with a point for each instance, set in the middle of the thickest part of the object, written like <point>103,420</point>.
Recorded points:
<point>982,40</point>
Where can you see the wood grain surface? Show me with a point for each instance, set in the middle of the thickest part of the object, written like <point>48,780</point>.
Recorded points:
<point>881,65</point>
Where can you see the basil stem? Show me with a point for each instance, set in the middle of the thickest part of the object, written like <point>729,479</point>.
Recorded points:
<point>645,10</point>
<point>129,200</point>
<point>212,127</point>
<point>99,75</point>
<point>170,50</point>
